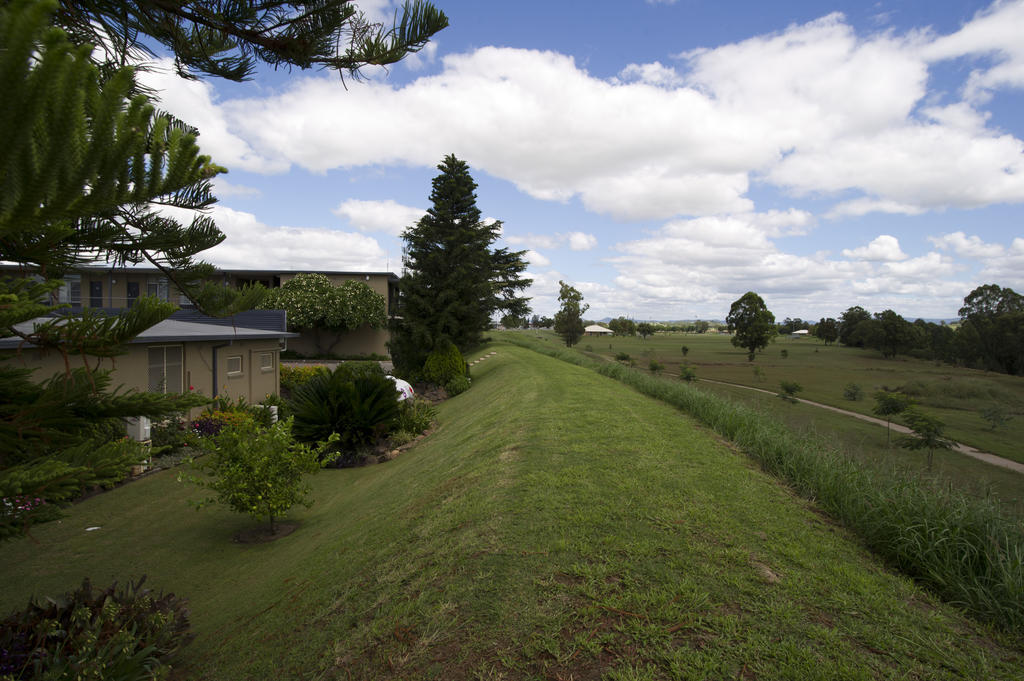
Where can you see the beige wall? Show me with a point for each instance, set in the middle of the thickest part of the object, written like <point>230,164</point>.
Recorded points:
<point>364,341</point>
<point>115,288</point>
<point>131,370</point>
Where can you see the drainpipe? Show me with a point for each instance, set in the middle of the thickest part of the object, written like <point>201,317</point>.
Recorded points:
<point>215,349</point>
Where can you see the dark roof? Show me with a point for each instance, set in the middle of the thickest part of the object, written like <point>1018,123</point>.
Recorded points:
<point>269,320</point>
<point>173,330</point>
<point>249,274</point>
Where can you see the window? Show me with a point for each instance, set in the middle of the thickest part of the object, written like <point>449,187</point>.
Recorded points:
<point>71,291</point>
<point>266,361</point>
<point>95,294</point>
<point>235,365</point>
<point>165,369</point>
<point>158,286</point>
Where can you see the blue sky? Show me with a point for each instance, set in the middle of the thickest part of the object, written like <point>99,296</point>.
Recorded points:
<point>663,157</point>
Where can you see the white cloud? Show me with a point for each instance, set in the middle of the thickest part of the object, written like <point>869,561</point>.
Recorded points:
<point>656,74</point>
<point>223,189</point>
<point>813,108</point>
<point>969,246</point>
<point>420,60</point>
<point>535,259</point>
<point>195,102</point>
<point>251,244</point>
<point>378,216</point>
<point>884,248</point>
<point>577,241</point>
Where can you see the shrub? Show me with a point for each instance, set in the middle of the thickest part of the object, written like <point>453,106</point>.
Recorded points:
<point>444,364</point>
<point>284,412</point>
<point>687,374</point>
<point>294,376</point>
<point>169,436</point>
<point>853,392</point>
<point>256,471</point>
<point>359,410</point>
<point>784,352</point>
<point>622,357</point>
<point>789,390</point>
<point>458,384</point>
<point>655,366</point>
<point>211,423</point>
<point>113,634</point>
<point>996,415</point>
<point>415,415</point>
<point>589,348</point>
<point>686,351</point>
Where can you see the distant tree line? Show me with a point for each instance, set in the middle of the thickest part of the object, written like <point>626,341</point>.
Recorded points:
<point>990,334</point>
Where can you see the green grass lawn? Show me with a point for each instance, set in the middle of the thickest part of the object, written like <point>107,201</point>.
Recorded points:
<point>556,525</point>
<point>954,394</point>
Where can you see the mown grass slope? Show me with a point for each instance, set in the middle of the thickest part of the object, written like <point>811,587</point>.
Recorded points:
<point>556,525</point>
<point>954,394</point>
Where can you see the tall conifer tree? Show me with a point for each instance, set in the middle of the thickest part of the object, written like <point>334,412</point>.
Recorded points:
<point>453,281</point>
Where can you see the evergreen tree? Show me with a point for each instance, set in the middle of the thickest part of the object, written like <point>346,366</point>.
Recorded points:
<point>569,318</point>
<point>454,281</point>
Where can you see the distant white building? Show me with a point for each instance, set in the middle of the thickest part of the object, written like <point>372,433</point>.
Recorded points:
<point>595,330</point>
<point>801,333</point>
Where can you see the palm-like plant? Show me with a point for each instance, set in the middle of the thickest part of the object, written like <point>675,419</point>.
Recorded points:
<point>359,408</point>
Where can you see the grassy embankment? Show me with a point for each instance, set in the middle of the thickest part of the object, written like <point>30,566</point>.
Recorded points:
<point>556,525</point>
<point>955,395</point>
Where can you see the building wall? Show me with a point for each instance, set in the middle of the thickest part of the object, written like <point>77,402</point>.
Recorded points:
<point>364,341</point>
<point>254,382</point>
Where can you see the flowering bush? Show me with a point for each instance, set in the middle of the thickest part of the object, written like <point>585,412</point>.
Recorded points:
<point>211,423</point>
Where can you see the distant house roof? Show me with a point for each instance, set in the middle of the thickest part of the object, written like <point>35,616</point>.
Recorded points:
<point>800,332</point>
<point>594,328</point>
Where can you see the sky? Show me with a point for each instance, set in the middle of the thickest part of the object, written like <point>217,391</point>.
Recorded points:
<point>664,157</point>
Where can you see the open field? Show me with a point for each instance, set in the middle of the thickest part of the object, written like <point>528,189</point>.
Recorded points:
<point>953,394</point>
<point>556,525</point>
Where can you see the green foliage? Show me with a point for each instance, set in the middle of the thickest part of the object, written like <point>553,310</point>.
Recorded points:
<point>655,366</point>
<point>444,364</point>
<point>687,374</point>
<point>569,318</point>
<point>992,333</point>
<point>457,385</point>
<point>111,634</point>
<point>888,404</point>
<point>685,350</point>
<point>645,329</point>
<point>293,376</point>
<point>853,392</point>
<point>256,471</point>
<point>759,374</point>
<point>996,415</point>
<point>751,323</point>
<point>848,323</point>
<point>789,389</point>
<point>621,326</point>
<point>454,280</point>
<point>622,357</point>
<point>227,40</point>
<point>926,433</point>
<point>358,409</point>
<point>784,353</point>
<point>415,415</point>
<point>827,329</point>
<point>313,302</point>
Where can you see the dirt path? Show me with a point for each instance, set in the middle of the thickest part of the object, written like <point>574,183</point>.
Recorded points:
<point>962,448</point>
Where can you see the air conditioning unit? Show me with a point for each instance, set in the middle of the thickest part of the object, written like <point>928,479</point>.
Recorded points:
<point>138,428</point>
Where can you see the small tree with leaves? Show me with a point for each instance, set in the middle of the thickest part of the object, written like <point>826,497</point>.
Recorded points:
<point>887,405</point>
<point>569,318</point>
<point>751,323</point>
<point>645,329</point>
<point>789,389</point>
<point>926,433</point>
<point>257,471</point>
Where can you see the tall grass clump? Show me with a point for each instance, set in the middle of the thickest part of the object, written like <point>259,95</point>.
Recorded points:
<point>966,550</point>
